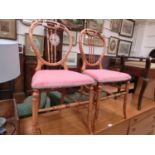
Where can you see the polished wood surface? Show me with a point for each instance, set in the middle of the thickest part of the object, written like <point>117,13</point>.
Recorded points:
<point>145,73</point>
<point>110,120</point>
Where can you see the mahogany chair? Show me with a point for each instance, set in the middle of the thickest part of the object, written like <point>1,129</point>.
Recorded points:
<point>102,76</point>
<point>53,79</point>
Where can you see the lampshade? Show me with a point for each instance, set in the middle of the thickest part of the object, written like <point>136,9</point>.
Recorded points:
<point>9,60</point>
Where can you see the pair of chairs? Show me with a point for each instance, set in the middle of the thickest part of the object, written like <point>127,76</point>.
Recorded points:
<point>90,81</point>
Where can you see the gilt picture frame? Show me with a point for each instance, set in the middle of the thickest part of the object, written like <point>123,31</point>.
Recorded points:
<point>127,28</point>
<point>95,24</point>
<point>8,29</point>
<point>113,46</point>
<point>96,42</point>
<point>116,25</point>
<point>124,48</point>
<point>39,42</point>
<point>73,24</point>
<point>71,59</point>
<point>66,38</point>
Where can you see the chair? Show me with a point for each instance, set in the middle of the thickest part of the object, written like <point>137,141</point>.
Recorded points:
<point>102,76</point>
<point>54,79</point>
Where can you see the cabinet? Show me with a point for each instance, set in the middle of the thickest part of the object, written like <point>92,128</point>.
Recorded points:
<point>143,123</point>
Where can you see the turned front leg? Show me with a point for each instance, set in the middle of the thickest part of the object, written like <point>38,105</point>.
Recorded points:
<point>90,106</point>
<point>35,108</point>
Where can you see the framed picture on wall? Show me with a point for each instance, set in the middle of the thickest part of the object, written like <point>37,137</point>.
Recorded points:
<point>8,29</point>
<point>95,24</point>
<point>127,27</point>
<point>71,59</point>
<point>97,42</point>
<point>113,46</point>
<point>116,25</point>
<point>39,42</point>
<point>66,38</point>
<point>124,48</point>
<point>73,24</point>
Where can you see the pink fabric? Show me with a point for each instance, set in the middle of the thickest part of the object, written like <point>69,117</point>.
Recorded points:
<point>59,78</point>
<point>103,75</point>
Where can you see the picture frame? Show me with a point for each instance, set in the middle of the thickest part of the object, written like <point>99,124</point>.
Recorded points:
<point>124,48</point>
<point>66,38</point>
<point>71,59</point>
<point>116,25</point>
<point>95,24</point>
<point>73,24</point>
<point>8,29</point>
<point>113,46</point>
<point>39,41</point>
<point>97,42</point>
<point>127,28</point>
<point>21,48</point>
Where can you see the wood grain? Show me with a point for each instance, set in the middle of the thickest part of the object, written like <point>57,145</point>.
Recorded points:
<point>110,121</point>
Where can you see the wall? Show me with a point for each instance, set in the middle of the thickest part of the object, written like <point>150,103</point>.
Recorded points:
<point>144,38</point>
<point>22,29</point>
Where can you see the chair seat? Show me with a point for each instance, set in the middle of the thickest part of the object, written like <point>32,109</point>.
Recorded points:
<point>43,79</point>
<point>107,76</point>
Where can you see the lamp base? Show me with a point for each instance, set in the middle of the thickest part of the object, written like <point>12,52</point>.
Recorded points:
<point>2,121</point>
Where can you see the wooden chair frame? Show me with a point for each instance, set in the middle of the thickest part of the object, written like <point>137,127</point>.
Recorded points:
<point>99,87</point>
<point>53,26</point>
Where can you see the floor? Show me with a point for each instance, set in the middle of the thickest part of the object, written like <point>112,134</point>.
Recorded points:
<point>73,121</point>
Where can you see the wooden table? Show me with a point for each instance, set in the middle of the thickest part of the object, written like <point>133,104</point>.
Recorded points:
<point>139,67</point>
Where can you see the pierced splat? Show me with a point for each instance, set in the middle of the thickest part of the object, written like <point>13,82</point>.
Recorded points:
<point>53,54</point>
<point>87,42</point>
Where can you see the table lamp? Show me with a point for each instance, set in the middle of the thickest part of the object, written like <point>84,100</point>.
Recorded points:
<point>9,63</point>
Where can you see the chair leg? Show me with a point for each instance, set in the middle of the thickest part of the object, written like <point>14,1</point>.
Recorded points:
<point>90,106</point>
<point>97,104</point>
<point>98,100</point>
<point>81,93</point>
<point>35,107</point>
<point>126,99</point>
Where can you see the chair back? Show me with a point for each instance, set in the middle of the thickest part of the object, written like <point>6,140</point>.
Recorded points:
<point>51,30</point>
<point>88,40</point>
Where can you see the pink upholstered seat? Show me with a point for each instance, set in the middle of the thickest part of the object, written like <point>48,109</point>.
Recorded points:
<point>104,76</point>
<point>59,79</point>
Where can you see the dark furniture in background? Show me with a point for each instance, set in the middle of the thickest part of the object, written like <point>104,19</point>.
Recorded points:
<point>139,67</point>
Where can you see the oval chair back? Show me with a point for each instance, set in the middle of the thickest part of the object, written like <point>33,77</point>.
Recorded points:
<point>51,30</point>
<point>88,39</point>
